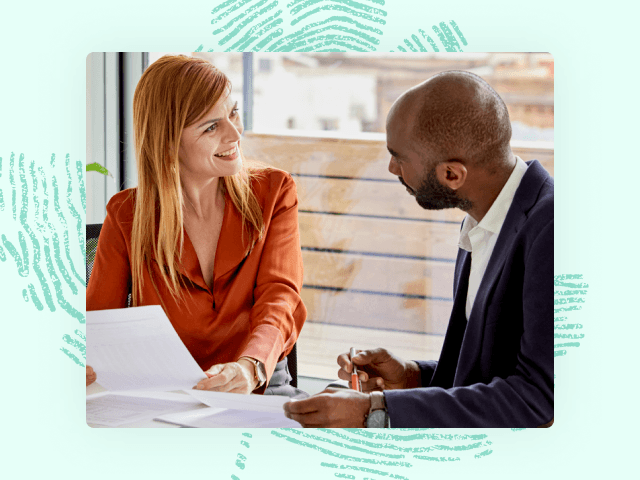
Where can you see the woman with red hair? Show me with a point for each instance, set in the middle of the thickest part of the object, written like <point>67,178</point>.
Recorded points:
<point>211,239</point>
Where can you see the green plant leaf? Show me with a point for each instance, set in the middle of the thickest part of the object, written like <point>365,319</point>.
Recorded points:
<point>96,167</point>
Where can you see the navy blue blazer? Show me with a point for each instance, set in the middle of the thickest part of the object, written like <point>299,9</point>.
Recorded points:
<point>497,370</point>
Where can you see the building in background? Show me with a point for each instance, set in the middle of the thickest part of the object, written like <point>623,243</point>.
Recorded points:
<point>350,92</point>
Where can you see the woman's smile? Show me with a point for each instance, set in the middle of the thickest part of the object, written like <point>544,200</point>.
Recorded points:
<point>229,155</point>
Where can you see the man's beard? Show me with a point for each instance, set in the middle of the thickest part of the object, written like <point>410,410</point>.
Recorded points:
<point>432,195</point>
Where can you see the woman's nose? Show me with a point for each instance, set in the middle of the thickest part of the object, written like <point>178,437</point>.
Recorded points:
<point>233,132</point>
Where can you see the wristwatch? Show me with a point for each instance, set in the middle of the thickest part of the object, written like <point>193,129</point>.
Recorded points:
<point>378,416</point>
<point>259,372</point>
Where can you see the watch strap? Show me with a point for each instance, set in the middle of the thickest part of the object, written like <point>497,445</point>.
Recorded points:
<point>259,371</point>
<point>378,416</point>
<point>377,401</point>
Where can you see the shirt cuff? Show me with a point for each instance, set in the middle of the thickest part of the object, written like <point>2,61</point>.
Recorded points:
<point>265,345</point>
<point>261,369</point>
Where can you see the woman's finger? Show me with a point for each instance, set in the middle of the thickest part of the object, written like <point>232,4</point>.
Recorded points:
<point>231,379</point>
<point>217,380</point>
<point>214,370</point>
<point>91,376</point>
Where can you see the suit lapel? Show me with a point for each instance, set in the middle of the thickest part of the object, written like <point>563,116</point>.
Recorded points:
<point>448,362</point>
<point>525,197</point>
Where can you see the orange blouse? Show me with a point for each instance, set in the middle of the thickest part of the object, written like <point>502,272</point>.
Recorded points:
<point>254,307</point>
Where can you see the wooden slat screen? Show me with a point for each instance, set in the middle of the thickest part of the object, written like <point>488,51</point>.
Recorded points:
<point>373,257</point>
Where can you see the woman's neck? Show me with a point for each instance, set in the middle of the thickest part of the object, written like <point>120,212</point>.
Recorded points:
<point>202,199</point>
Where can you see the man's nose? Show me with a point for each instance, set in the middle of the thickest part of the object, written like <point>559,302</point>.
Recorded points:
<point>394,168</point>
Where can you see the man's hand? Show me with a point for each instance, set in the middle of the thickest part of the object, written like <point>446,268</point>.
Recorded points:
<point>234,377</point>
<point>332,408</point>
<point>379,369</point>
<point>91,375</point>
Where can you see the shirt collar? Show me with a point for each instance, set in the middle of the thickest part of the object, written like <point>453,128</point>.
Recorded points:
<point>495,217</point>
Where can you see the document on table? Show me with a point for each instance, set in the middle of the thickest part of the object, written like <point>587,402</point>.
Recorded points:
<point>115,409</point>
<point>229,418</point>
<point>138,349</point>
<point>235,401</point>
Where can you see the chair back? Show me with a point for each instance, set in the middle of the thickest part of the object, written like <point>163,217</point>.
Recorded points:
<point>93,233</point>
<point>292,363</point>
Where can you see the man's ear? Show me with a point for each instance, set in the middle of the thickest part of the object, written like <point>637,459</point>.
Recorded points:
<point>452,173</point>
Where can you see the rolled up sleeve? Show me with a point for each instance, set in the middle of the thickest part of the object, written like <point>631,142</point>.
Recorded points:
<point>278,313</point>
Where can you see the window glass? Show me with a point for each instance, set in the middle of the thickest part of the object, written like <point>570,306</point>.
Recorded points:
<point>353,92</point>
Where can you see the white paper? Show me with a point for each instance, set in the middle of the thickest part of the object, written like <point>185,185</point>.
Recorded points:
<point>229,418</point>
<point>115,409</point>
<point>236,401</point>
<point>138,349</point>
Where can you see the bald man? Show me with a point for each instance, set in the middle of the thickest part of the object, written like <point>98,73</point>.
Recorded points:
<point>449,140</point>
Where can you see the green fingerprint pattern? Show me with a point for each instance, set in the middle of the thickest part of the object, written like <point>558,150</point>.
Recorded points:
<point>300,25</point>
<point>362,453</point>
<point>446,34</point>
<point>240,458</point>
<point>42,236</point>
<point>264,25</point>
<point>569,296</point>
<point>317,26</point>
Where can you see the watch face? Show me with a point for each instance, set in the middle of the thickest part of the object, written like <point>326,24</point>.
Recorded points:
<point>377,419</point>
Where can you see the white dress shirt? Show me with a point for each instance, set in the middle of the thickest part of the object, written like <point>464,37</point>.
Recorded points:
<point>480,238</point>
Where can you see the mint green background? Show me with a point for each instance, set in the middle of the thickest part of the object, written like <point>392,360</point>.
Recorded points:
<point>42,80</point>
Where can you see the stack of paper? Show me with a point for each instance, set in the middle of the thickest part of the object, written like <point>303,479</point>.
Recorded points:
<point>223,418</point>
<point>115,409</point>
<point>137,349</point>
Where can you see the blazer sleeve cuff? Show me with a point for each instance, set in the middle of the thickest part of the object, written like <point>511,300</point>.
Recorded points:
<point>399,415</point>
<point>426,371</point>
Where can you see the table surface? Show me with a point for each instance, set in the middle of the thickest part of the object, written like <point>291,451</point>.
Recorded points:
<point>97,388</point>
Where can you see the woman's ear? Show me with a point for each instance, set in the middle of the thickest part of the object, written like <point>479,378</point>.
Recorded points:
<point>452,174</point>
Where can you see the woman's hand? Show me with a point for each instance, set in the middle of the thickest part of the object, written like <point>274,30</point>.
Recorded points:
<point>379,369</point>
<point>91,375</point>
<point>234,377</point>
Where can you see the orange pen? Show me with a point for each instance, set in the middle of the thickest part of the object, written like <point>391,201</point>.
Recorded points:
<point>355,381</point>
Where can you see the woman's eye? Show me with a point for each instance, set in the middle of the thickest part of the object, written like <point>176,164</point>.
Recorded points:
<point>234,112</point>
<point>212,128</point>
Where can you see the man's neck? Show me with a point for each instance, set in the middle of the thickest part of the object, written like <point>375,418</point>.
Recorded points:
<point>488,188</point>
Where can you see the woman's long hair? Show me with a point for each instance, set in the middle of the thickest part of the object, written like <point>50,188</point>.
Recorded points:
<point>174,93</point>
